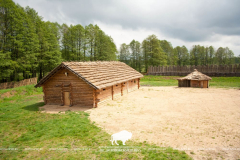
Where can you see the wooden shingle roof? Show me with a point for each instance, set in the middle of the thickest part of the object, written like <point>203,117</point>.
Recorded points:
<point>98,74</point>
<point>195,75</point>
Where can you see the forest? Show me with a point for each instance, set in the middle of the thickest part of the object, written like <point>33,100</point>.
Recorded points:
<point>155,52</point>
<point>30,46</point>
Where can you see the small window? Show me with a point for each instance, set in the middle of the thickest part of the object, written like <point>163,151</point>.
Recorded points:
<point>116,85</point>
<point>104,89</point>
<point>124,83</point>
<point>134,81</point>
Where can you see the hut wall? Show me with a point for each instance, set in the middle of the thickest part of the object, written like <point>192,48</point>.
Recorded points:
<point>205,84</point>
<point>125,88</point>
<point>117,91</point>
<point>194,83</point>
<point>132,85</point>
<point>80,92</point>
<point>183,83</point>
<point>105,94</point>
<point>200,84</point>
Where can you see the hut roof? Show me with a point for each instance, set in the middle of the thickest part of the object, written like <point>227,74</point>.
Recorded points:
<point>195,75</point>
<point>98,74</point>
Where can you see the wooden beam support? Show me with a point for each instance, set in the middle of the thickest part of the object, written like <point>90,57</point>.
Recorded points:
<point>95,98</point>
<point>138,83</point>
<point>121,89</point>
<point>112,93</point>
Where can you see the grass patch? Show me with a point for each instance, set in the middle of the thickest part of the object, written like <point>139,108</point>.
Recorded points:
<point>219,82</point>
<point>26,133</point>
<point>225,82</point>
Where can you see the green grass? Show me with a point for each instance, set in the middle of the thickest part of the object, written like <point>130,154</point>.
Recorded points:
<point>219,82</point>
<point>26,133</point>
<point>225,82</point>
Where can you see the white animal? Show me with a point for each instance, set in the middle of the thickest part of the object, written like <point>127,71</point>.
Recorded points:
<point>123,136</point>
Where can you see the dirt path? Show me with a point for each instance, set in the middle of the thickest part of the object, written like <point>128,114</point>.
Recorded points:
<point>206,122</point>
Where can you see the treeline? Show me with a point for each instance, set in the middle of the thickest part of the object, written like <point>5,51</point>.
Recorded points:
<point>31,47</point>
<point>87,43</point>
<point>155,52</point>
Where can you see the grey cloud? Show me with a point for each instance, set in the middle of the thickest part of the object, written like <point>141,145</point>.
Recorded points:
<point>187,20</point>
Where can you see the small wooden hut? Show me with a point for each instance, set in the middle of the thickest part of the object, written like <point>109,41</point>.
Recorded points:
<point>194,79</point>
<point>87,84</point>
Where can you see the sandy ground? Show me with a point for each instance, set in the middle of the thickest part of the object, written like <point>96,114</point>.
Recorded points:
<point>61,109</point>
<point>203,122</point>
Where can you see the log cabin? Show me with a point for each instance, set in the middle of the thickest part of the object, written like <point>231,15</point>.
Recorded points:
<point>194,79</point>
<point>88,84</point>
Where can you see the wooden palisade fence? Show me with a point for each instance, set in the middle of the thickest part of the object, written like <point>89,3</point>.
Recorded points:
<point>210,70</point>
<point>18,84</point>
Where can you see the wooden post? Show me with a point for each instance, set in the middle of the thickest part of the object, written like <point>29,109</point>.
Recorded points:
<point>94,98</point>
<point>121,89</point>
<point>138,83</point>
<point>112,93</point>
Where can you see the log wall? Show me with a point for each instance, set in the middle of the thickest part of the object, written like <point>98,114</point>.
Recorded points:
<point>132,85</point>
<point>116,91</point>
<point>210,70</point>
<point>80,92</point>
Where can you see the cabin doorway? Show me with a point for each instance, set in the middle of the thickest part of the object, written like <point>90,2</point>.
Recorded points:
<point>66,99</point>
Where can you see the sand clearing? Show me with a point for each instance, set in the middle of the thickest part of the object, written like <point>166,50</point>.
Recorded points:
<point>204,121</point>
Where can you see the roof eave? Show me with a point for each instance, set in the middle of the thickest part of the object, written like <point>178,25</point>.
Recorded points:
<point>44,79</point>
<point>39,84</point>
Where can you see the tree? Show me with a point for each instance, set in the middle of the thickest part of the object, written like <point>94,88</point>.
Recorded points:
<point>211,55</point>
<point>224,56</point>
<point>168,49</point>
<point>124,54</point>
<point>154,52</point>
<point>135,52</point>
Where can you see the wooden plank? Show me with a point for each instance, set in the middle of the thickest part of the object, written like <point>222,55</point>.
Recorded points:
<point>67,101</point>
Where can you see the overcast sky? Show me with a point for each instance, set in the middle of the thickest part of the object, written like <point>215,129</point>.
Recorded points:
<point>182,22</point>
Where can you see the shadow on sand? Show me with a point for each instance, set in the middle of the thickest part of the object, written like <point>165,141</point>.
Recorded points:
<point>54,108</point>
<point>62,109</point>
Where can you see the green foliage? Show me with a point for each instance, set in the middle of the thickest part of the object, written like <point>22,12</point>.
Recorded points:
<point>61,136</point>
<point>156,52</point>
<point>86,44</point>
<point>182,55</point>
<point>153,51</point>
<point>224,56</point>
<point>168,49</point>
<point>30,47</point>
